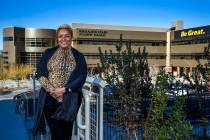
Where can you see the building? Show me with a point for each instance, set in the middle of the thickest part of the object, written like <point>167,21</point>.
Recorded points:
<point>185,52</point>
<point>26,45</point>
<point>89,37</point>
<point>166,48</point>
<point>187,49</point>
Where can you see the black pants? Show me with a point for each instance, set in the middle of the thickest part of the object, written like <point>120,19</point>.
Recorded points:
<point>60,130</point>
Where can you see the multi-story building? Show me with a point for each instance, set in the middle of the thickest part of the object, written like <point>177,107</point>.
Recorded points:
<point>26,45</point>
<point>187,49</point>
<point>181,54</point>
<point>89,37</point>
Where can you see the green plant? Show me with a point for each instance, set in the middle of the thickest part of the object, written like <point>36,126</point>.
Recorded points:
<point>3,74</point>
<point>166,122</point>
<point>127,72</point>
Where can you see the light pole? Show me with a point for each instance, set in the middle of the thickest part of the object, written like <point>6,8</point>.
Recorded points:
<point>168,68</point>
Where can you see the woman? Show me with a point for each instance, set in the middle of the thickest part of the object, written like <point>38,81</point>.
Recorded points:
<point>62,72</point>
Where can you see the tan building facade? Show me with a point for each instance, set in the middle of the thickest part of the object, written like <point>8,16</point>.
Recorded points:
<point>26,45</point>
<point>185,52</point>
<point>89,37</point>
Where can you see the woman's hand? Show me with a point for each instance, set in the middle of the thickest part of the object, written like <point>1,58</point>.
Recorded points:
<point>51,90</point>
<point>58,93</point>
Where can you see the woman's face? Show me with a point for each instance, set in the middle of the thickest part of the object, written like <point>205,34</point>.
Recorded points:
<point>64,38</point>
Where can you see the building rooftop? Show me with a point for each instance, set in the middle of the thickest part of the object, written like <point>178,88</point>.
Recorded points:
<point>117,27</point>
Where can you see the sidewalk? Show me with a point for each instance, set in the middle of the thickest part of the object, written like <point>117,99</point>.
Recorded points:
<point>11,124</point>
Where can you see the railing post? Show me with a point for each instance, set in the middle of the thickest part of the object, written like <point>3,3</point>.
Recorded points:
<point>101,110</point>
<point>34,93</point>
<point>43,137</point>
<point>79,121</point>
<point>86,127</point>
<point>87,117</point>
<point>89,103</point>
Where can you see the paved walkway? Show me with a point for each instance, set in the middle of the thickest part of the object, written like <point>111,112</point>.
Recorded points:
<point>11,124</point>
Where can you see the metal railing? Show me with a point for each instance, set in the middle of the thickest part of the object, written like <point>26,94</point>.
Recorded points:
<point>86,126</point>
<point>96,117</point>
<point>91,111</point>
<point>89,118</point>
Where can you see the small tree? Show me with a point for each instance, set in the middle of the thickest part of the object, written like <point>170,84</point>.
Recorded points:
<point>128,74</point>
<point>166,122</point>
<point>3,74</point>
<point>201,75</point>
<point>19,72</point>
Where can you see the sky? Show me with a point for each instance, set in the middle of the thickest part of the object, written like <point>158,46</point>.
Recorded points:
<point>146,13</point>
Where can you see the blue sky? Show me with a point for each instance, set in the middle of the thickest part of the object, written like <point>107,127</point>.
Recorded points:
<point>149,13</point>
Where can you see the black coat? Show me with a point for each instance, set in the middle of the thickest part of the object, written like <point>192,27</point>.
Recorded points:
<point>68,109</point>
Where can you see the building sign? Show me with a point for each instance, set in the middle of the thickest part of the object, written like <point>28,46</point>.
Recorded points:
<point>92,33</point>
<point>192,32</point>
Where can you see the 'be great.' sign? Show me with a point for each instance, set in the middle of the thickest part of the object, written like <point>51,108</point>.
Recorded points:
<point>192,32</point>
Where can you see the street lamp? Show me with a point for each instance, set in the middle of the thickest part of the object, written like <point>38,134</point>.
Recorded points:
<point>168,68</point>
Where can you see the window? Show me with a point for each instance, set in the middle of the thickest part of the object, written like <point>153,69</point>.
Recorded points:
<point>115,42</point>
<point>194,56</point>
<point>191,41</point>
<point>8,38</point>
<point>39,42</point>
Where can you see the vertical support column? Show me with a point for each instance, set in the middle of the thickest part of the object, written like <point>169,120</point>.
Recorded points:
<point>43,137</point>
<point>178,71</point>
<point>86,127</point>
<point>34,93</point>
<point>190,74</point>
<point>79,121</point>
<point>185,70</point>
<point>168,68</point>
<point>87,117</point>
<point>101,110</point>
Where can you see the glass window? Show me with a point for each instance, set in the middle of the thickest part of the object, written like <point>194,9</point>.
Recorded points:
<point>8,38</point>
<point>39,42</point>
<point>115,42</point>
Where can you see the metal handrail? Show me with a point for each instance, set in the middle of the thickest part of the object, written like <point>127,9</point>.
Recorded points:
<point>87,94</point>
<point>86,126</point>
